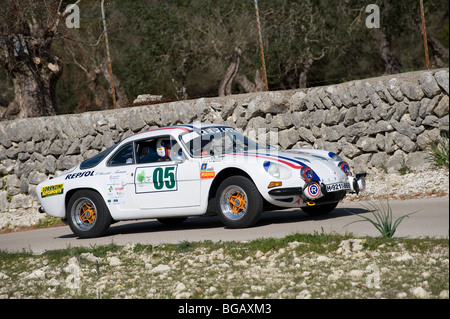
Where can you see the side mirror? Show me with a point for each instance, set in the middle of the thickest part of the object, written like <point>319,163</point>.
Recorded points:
<point>179,158</point>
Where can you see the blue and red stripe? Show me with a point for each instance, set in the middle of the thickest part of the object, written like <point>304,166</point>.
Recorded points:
<point>295,164</point>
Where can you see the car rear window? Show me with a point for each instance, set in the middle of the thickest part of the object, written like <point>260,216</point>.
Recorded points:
<point>93,161</point>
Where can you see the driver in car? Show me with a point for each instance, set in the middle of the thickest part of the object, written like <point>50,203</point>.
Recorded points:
<point>163,148</point>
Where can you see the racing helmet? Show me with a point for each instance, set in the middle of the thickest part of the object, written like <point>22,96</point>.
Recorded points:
<point>161,147</point>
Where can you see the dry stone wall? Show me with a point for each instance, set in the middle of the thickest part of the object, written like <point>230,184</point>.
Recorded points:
<point>375,122</point>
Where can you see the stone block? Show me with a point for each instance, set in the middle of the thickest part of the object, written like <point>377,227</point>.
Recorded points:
<point>429,85</point>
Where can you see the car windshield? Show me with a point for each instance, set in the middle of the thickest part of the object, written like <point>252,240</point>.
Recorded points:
<point>214,141</point>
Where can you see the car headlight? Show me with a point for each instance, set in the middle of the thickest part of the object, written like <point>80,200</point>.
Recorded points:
<point>344,167</point>
<point>272,168</point>
<point>306,173</point>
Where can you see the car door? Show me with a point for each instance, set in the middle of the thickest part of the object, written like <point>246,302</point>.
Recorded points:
<point>118,177</point>
<point>164,181</point>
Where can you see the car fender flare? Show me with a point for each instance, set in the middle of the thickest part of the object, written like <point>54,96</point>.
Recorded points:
<point>70,193</point>
<point>223,174</point>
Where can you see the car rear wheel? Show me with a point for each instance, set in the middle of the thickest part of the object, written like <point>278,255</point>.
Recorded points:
<point>87,214</point>
<point>238,203</point>
<point>318,210</point>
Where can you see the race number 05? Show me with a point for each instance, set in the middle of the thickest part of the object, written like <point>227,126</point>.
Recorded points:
<point>164,177</point>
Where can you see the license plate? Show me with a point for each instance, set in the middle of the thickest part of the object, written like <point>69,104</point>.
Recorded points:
<point>337,186</point>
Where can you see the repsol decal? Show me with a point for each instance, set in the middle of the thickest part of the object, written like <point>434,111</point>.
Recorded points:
<point>81,174</point>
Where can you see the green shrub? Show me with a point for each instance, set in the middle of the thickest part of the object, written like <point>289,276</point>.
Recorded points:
<point>440,151</point>
<point>382,219</point>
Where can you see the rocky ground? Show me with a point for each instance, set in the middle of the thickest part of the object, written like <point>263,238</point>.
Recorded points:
<point>428,183</point>
<point>299,267</point>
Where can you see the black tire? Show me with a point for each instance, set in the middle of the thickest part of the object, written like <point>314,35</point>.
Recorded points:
<point>171,221</point>
<point>238,202</point>
<point>318,210</point>
<point>87,214</point>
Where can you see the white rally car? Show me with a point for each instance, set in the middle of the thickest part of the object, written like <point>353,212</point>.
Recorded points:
<point>175,172</point>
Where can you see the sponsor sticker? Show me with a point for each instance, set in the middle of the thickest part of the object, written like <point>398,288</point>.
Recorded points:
<point>210,174</point>
<point>313,190</point>
<point>156,179</point>
<point>207,172</point>
<point>52,190</point>
<point>80,174</point>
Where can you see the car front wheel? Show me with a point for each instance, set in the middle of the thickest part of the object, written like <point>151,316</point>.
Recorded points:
<point>87,214</point>
<point>238,203</point>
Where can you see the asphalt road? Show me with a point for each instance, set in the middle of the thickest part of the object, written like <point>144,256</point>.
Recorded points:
<point>431,219</point>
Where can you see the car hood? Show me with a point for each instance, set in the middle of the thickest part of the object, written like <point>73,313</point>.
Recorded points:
<point>325,169</point>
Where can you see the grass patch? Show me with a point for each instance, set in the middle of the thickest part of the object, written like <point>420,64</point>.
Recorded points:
<point>48,221</point>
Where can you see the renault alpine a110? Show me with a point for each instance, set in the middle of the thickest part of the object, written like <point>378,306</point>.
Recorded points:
<point>172,173</point>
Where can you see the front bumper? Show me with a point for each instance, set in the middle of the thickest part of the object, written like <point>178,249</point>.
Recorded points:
<point>357,184</point>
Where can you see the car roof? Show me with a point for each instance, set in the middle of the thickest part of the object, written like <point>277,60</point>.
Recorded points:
<point>169,130</point>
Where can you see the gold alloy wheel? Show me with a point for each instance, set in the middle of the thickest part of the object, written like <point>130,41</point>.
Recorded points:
<point>87,214</point>
<point>237,202</point>
<point>233,202</point>
<point>84,213</point>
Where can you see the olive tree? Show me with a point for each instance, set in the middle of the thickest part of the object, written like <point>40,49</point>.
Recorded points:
<point>27,31</point>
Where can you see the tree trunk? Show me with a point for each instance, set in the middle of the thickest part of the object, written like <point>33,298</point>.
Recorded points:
<point>121,96</point>
<point>248,86</point>
<point>101,97</point>
<point>303,78</point>
<point>34,81</point>
<point>438,50</point>
<point>27,30</point>
<point>225,85</point>
<point>392,65</point>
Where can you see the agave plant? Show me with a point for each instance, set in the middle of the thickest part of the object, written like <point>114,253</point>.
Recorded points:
<point>440,151</point>
<point>382,219</point>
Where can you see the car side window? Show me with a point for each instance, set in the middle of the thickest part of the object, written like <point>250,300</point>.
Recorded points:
<point>146,152</point>
<point>160,149</point>
<point>124,156</point>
